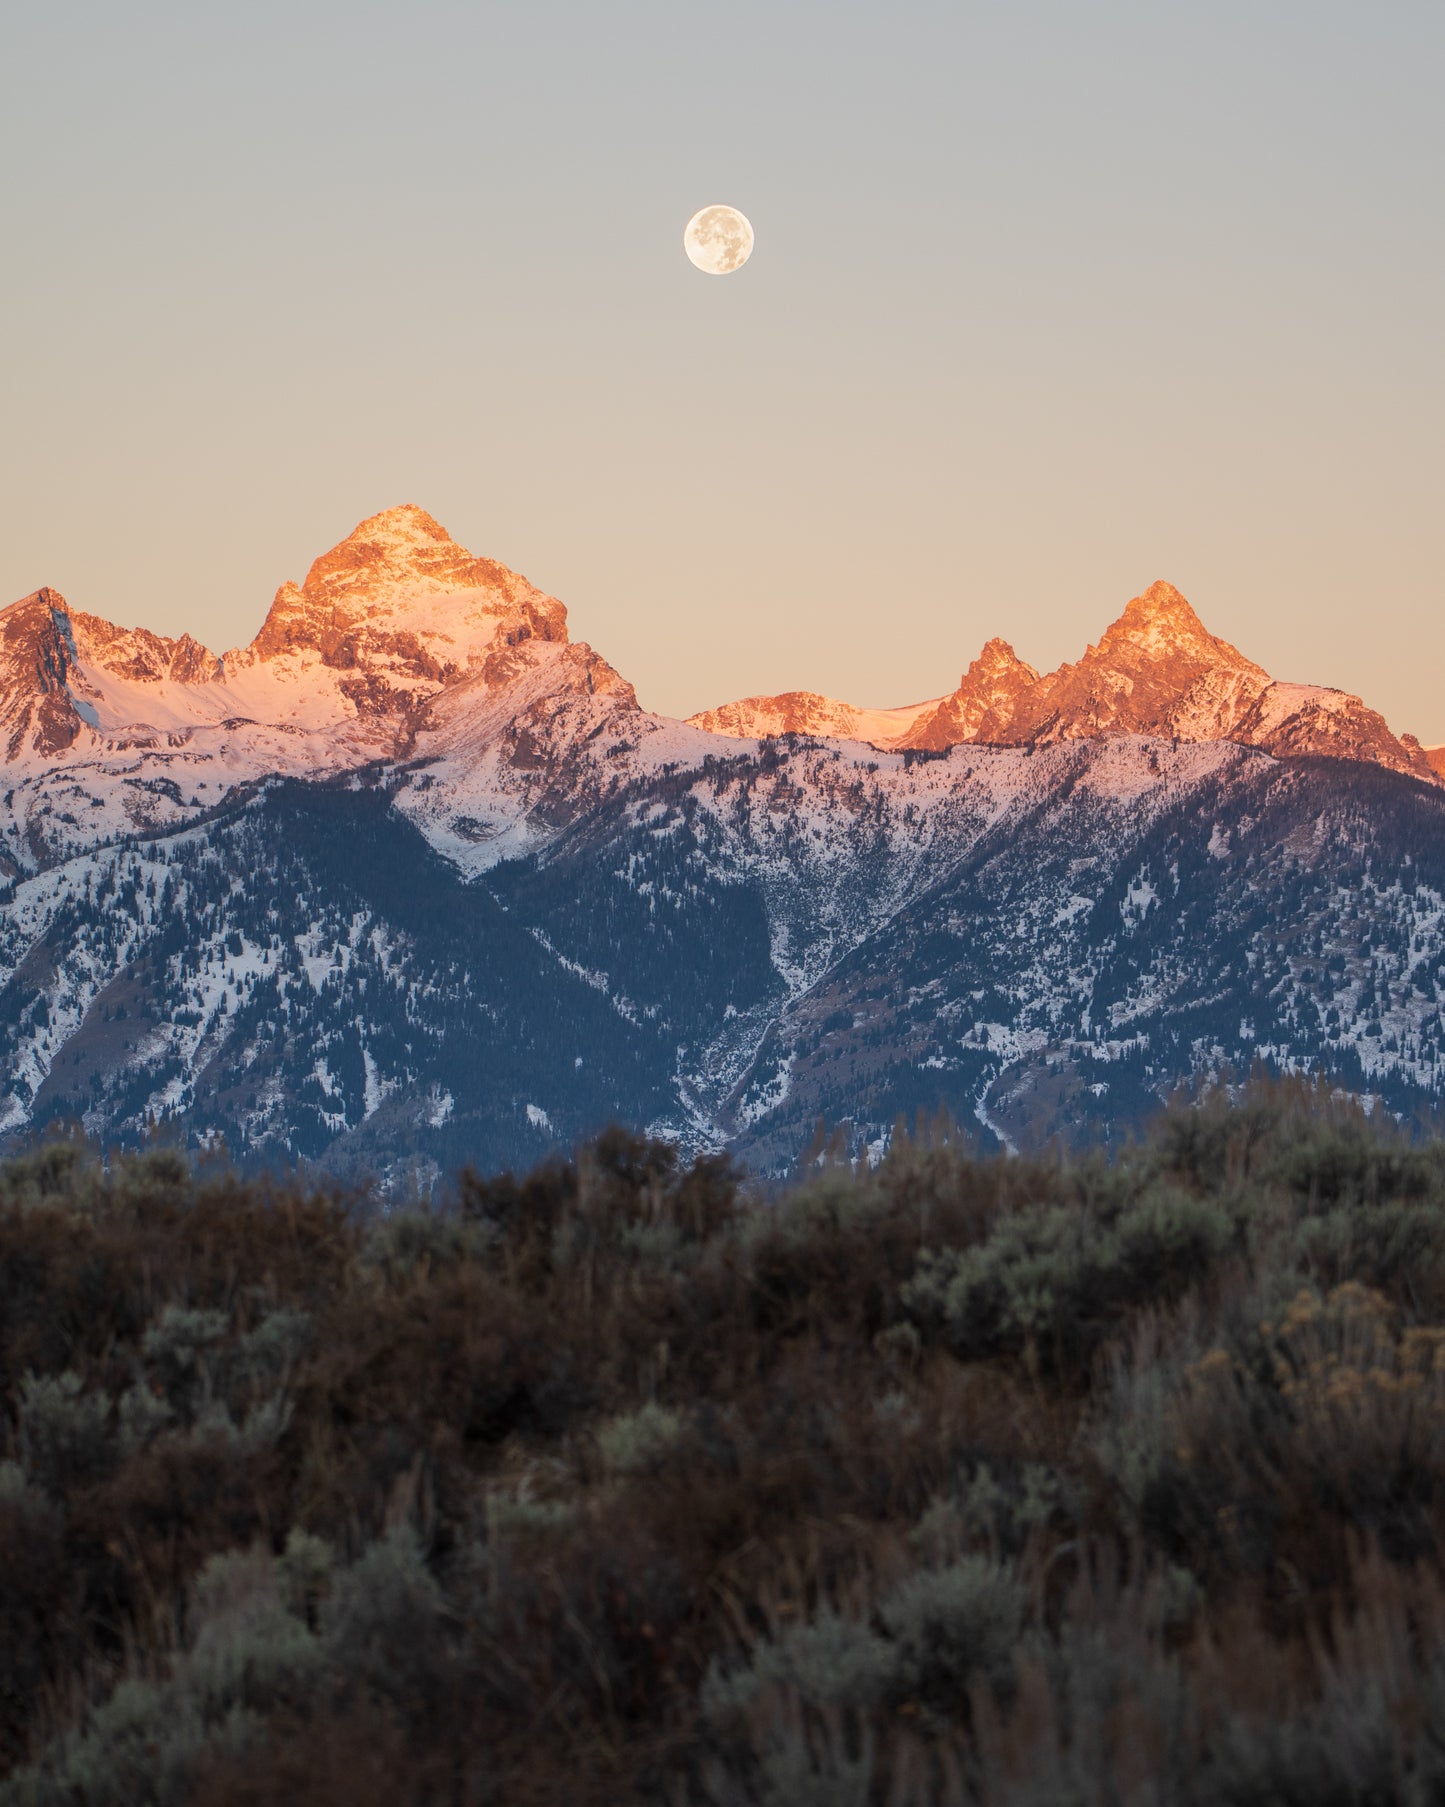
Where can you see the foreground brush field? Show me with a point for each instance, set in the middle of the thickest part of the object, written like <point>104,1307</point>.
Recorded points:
<point>965,1480</point>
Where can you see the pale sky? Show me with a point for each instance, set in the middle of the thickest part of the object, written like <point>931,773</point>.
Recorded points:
<point>1049,300</point>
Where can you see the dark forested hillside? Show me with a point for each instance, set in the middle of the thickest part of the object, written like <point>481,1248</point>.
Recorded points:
<point>309,971</point>
<point>1076,966</point>
<point>1045,942</point>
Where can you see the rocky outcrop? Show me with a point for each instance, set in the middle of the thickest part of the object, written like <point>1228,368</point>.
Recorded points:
<point>37,660</point>
<point>141,657</point>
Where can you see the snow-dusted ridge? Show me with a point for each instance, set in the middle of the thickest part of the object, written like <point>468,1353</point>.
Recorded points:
<point>401,647</point>
<point>1157,670</point>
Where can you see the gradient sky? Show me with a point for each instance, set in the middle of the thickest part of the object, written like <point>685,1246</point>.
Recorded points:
<point>1049,300</point>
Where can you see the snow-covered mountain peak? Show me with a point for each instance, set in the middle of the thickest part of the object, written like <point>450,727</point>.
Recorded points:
<point>399,594</point>
<point>134,731</point>
<point>1162,625</point>
<point>56,664</point>
<point>404,530</point>
<point>402,548</point>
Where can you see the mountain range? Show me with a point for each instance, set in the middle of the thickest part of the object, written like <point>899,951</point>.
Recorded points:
<point>413,880</point>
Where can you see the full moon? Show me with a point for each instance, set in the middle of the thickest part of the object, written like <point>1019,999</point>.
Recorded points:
<point>719,240</point>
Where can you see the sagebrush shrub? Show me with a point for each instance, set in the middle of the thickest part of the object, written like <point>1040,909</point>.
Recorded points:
<point>407,1240</point>
<point>810,1765</point>
<point>139,1748</point>
<point>272,1348</point>
<point>63,1429</point>
<point>142,1413</point>
<point>60,1173</point>
<point>953,1626</point>
<point>1056,1277</point>
<point>516,1515</point>
<point>387,1600</point>
<point>14,1485</point>
<point>831,1660</point>
<point>250,1650</point>
<point>146,1742</point>
<point>304,1567</point>
<point>641,1441</point>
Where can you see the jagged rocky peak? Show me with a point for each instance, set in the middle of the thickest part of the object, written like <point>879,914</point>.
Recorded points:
<point>791,712</point>
<point>1156,660</point>
<point>30,633</point>
<point>141,657</point>
<point>52,658</point>
<point>1162,627</point>
<point>384,622</point>
<point>823,717</point>
<point>59,638</point>
<point>996,661</point>
<point>399,587</point>
<point>994,682</point>
<point>987,692</point>
<point>37,655</point>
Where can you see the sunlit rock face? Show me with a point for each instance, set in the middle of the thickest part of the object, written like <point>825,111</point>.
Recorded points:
<point>1154,671</point>
<point>989,691</point>
<point>401,604</point>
